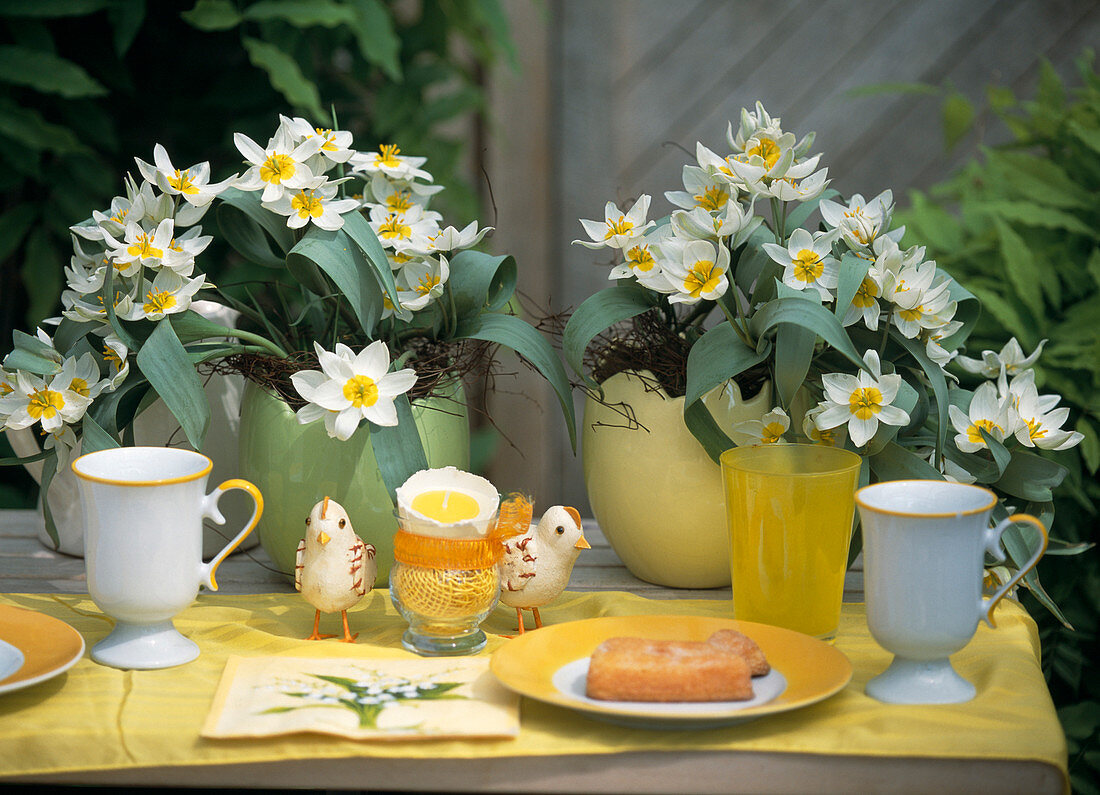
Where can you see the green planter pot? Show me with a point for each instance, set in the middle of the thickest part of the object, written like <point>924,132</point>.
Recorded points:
<point>295,466</point>
<point>655,493</point>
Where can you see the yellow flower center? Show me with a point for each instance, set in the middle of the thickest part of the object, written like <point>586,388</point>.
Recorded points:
<point>6,388</point>
<point>158,301</point>
<point>112,357</point>
<point>772,433</point>
<point>640,259</point>
<point>866,294</point>
<point>306,204</point>
<point>120,217</point>
<point>1035,430</point>
<point>713,198</point>
<point>827,436</point>
<point>277,168</point>
<point>426,284</point>
<point>388,157</point>
<point>974,432</point>
<point>329,145</point>
<point>912,315</point>
<point>767,150</point>
<point>182,182</point>
<point>361,391</point>
<point>45,403</point>
<point>703,277</point>
<point>620,227</point>
<point>865,402</point>
<point>80,386</point>
<point>808,266</point>
<point>399,201</point>
<point>144,249</point>
<point>394,227</point>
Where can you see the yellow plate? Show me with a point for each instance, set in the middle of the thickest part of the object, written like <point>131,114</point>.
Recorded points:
<point>549,665</point>
<point>47,645</point>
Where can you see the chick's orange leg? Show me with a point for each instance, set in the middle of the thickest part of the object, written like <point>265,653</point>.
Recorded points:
<point>317,629</point>
<point>538,618</point>
<point>519,621</point>
<point>348,637</point>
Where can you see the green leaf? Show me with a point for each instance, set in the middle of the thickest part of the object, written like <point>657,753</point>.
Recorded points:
<point>800,214</point>
<point>359,230</point>
<point>47,73</point>
<point>301,13</point>
<point>397,448</point>
<point>1090,444</point>
<point>45,478</point>
<point>1020,267</point>
<point>599,312</point>
<point>958,119</point>
<point>1090,137</point>
<point>212,15</point>
<point>248,202</point>
<point>34,133</point>
<point>336,255</point>
<point>14,225</point>
<point>127,17</point>
<point>286,76</point>
<point>32,354</point>
<point>247,237</point>
<point>43,276</point>
<point>52,8</point>
<point>479,281</point>
<point>164,362</point>
<point>121,331</point>
<point>811,316</point>
<point>794,350</point>
<point>894,462</point>
<point>1030,214</point>
<point>93,437</point>
<point>511,332</point>
<point>1031,477</point>
<point>853,270</point>
<point>378,41</point>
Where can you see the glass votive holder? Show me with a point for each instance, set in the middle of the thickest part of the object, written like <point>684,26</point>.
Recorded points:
<point>444,588</point>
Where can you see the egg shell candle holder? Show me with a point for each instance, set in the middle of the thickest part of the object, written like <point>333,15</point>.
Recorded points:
<point>446,578</point>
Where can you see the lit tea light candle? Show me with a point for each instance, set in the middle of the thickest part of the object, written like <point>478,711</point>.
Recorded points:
<point>447,502</point>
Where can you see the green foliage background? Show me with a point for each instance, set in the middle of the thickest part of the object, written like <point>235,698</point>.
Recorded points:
<point>1020,227</point>
<point>87,85</point>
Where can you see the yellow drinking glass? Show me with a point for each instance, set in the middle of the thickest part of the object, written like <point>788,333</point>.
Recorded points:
<point>789,508</point>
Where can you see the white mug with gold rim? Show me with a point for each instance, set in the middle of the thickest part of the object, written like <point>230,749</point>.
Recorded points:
<point>143,510</point>
<point>924,547</point>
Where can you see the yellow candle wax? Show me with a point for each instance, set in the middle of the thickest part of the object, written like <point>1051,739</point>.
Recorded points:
<point>446,505</point>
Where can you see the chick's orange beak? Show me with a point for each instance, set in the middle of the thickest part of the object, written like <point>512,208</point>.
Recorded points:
<point>582,543</point>
<point>323,538</point>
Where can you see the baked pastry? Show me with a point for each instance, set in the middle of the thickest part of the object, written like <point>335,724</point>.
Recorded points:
<point>641,669</point>
<point>743,646</point>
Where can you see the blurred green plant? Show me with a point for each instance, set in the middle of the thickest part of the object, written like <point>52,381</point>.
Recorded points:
<point>1020,226</point>
<point>86,85</point>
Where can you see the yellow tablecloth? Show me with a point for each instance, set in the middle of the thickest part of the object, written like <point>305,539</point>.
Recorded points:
<point>95,718</point>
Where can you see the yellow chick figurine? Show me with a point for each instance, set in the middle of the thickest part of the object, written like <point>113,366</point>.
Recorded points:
<point>333,568</point>
<point>536,566</point>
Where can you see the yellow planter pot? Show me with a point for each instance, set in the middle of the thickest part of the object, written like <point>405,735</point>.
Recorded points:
<point>654,491</point>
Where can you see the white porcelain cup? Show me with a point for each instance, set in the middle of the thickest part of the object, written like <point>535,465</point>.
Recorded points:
<point>143,509</point>
<point>924,547</point>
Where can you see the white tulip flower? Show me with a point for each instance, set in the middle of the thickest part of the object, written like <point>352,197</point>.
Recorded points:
<point>862,222</point>
<point>335,145</point>
<point>51,403</point>
<point>618,229</point>
<point>1010,359</point>
<point>408,231</point>
<point>451,239</point>
<point>861,401</point>
<point>389,161</point>
<point>140,248</point>
<point>351,388</point>
<point>702,190</point>
<point>313,203</point>
<point>168,294</point>
<point>807,263</point>
<point>192,183</point>
<point>769,429</point>
<point>398,196</point>
<point>421,282</point>
<point>1040,422</point>
<point>279,167</point>
<point>988,411</point>
<point>694,269</point>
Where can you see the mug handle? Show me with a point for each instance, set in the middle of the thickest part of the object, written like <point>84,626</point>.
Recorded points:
<point>210,511</point>
<point>992,546</point>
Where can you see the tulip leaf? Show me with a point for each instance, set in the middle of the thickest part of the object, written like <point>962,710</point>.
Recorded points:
<point>286,76</point>
<point>32,355</point>
<point>599,312</point>
<point>359,230</point>
<point>853,270</point>
<point>521,337</point>
<point>247,237</point>
<point>938,381</point>
<point>894,462</point>
<point>45,478</point>
<point>336,255</point>
<point>794,350</point>
<point>248,202</point>
<point>1031,477</point>
<point>301,13</point>
<point>127,17</point>
<point>799,215</point>
<point>46,72</point>
<point>93,437</point>
<point>810,315</point>
<point>397,448</point>
<point>714,359</point>
<point>481,282</point>
<point>164,362</point>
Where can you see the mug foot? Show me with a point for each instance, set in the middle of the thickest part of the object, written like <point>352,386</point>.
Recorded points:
<point>920,682</point>
<point>144,647</point>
